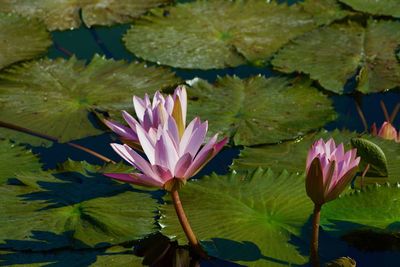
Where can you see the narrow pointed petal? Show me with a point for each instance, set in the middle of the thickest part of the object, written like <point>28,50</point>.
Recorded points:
<point>183,165</point>
<point>135,178</point>
<point>196,139</point>
<point>139,106</point>
<point>121,130</point>
<point>181,94</point>
<point>177,114</point>
<point>132,122</point>
<point>193,125</point>
<point>147,145</point>
<point>341,184</point>
<point>314,182</point>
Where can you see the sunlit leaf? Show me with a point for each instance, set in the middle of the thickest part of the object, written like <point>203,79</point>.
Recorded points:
<point>21,39</point>
<point>324,12</point>
<point>216,34</point>
<point>14,159</point>
<point>375,208</point>
<point>334,54</point>
<point>65,14</point>
<point>260,110</point>
<point>244,218</point>
<point>70,209</point>
<point>377,7</point>
<point>58,97</point>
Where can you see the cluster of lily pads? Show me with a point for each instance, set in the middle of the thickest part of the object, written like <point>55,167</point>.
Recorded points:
<point>257,214</point>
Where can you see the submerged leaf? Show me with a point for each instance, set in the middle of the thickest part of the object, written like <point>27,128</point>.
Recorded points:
<point>216,34</point>
<point>260,110</point>
<point>334,54</point>
<point>72,209</point>
<point>244,218</point>
<point>58,97</point>
<point>21,39</point>
<point>65,14</point>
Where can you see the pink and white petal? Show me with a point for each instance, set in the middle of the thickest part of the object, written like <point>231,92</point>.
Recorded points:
<point>132,122</point>
<point>187,134</point>
<point>160,154</point>
<point>135,178</point>
<point>148,120</point>
<point>181,93</point>
<point>170,150</point>
<point>183,165</point>
<point>121,130</point>
<point>139,106</point>
<point>172,129</point>
<point>169,104</point>
<point>197,139</point>
<point>164,173</point>
<point>146,142</point>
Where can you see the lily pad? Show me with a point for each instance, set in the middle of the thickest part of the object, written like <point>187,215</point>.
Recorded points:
<point>16,158</point>
<point>260,110</point>
<point>324,12</point>
<point>334,54</point>
<point>248,219</point>
<point>77,210</point>
<point>21,39</point>
<point>113,256</point>
<point>290,155</point>
<point>65,14</point>
<point>58,97</point>
<point>374,208</point>
<point>216,34</point>
<point>382,7</point>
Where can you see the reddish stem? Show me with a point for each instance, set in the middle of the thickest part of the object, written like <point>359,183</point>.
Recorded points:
<point>385,112</point>
<point>314,257</point>
<point>194,243</point>
<point>362,117</point>
<point>53,139</point>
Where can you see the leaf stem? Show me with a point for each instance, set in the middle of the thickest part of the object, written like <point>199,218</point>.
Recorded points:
<point>314,257</point>
<point>194,243</point>
<point>362,117</point>
<point>394,112</point>
<point>53,139</point>
<point>363,175</point>
<point>385,112</point>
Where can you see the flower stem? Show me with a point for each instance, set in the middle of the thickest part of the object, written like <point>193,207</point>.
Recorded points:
<point>314,257</point>
<point>53,139</point>
<point>194,243</point>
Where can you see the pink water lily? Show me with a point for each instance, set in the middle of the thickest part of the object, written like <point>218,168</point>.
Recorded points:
<point>387,131</point>
<point>152,114</point>
<point>329,169</point>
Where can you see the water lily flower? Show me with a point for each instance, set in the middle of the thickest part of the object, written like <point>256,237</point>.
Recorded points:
<point>151,114</point>
<point>329,169</point>
<point>172,157</point>
<point>387,131</point>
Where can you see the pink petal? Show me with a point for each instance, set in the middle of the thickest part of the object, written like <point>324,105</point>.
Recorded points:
<point>172,129</point>
<point>180,93</point>
<point>146,143</point>
<point>132,122</point>
<point>140,107</point>
<point>121,130</point>
<point>193,125</point>
<point>196,139</point>
<point>164,173</point>
<point>135,178</point>
<point>183,165</point>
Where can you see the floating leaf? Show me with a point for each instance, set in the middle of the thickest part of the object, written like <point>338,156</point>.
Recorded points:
<point>216,34</point>
<point>333,54</point>
<point>16,158</point>
<point>74,209</point>
<point>382,7</point>
<point>65,14</point>
<point>342,262</point>
<point>58,97</point>
<point>260,110</point>
<point>245,218</point>
<point>376,207</point>
<point>371,154</point>
<point>21,39</point>
<point>114,256</point>
<point>324,12</point>
<point>290,155</point>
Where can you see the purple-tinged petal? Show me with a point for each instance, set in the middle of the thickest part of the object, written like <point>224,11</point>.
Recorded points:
<point>172,129</point>
<point>183,165</point>
<point>187,134</point>
<point>146,142</point>
<point>135,178</point>
<point>121,130</point>
<point>132,122</point>
<point>164,173</point>
<point>181,94</point>
<point>314,182</point>
<point>139,106</point>
<point>197,139</point>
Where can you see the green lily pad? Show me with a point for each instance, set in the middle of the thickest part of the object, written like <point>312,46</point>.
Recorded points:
<point>382,7</point>
<point>113,256</point>
<point>324,12</point>
<point>58,97</point>
<point>259,110</point>
<point>374,208</point>
<point>290,155</point>
<point>244,218</point>
<point>21,39</point>
<point>78,210</point>
<point>14,159</point>
<point>65,14</point>
<point>216,34</point>
<point>333,54</point>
